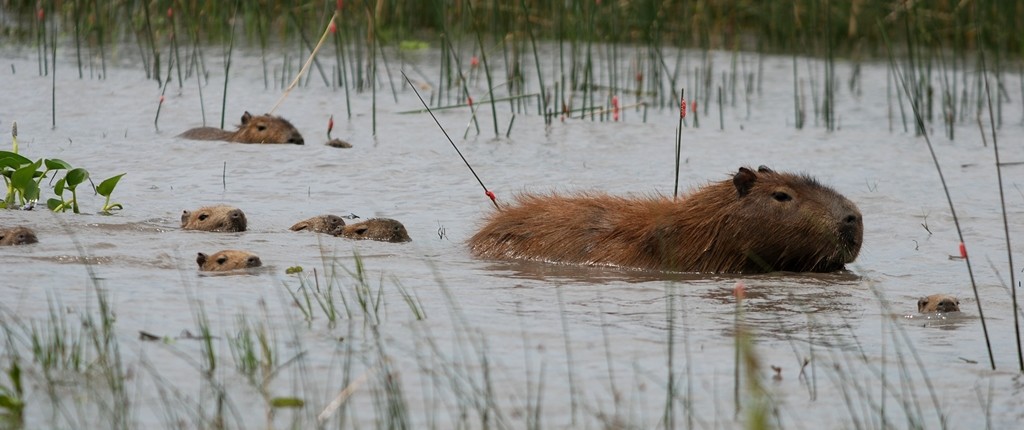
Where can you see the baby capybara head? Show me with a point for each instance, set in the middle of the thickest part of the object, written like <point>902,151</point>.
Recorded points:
<point>781,221</point>
<point>329,224</point>
<point>382,229</point>
<point>214,218</point>
<point>266,129</point>
<point>938,303</point>
<point>17,236</point>
<point>227,260</point>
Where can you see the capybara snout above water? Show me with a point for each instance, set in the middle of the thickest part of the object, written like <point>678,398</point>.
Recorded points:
<point>226,260</point>
<point>254,129</point>
<point>17,236</point>
<point>214,218</point>
<point>938,303</point>
<point>758,221</point>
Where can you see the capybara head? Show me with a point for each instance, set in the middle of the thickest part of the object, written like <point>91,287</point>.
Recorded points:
<point>17,236</point>
<point>266,129</point>
<point>757,221</point>
<point>329,224</point>
<point>227,260</point>
<point>214,218</point>
<point>781,221</point>
<point>382,229</point>
<point>938,303</point>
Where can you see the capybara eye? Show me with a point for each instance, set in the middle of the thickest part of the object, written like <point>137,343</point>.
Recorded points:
<point>781,196</point>
<point>222,260</point>
<point>21,237</point>
<point>261,127</point>
<point>203,217</point>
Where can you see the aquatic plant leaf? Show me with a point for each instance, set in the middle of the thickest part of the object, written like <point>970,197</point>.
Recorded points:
<point>53,204</point>
<point>58,188</point>
<point>107,186</point>
<point>13,160</point>
<point>57,164</point>
<point>76,176</point>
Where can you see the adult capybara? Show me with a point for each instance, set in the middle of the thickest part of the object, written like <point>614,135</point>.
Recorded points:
<point>382,229</point>
<point>254,129</point>
<point>227,260</point>
<point>759,221</point>
<point>938,303</point>
<point>214,218</point>
<point>329,224</point>
<point>17,236</point>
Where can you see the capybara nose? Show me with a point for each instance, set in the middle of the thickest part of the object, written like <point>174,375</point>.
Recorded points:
<point>851,219</point>
<point>948,306</point>
<point>235,214</point>
<point>296,139</point>
<point>253,262</point>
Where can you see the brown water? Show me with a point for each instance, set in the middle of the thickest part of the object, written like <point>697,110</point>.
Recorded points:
<point>593,342</point>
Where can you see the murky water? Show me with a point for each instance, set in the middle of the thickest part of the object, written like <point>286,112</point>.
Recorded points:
<point>507,343</point>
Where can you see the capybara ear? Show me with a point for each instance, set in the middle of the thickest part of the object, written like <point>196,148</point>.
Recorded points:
<point>184,217</point>
<point>201,259</point>
<point>246,117</point>
<point>744,181</point>
<point>764,169</point>
<point>921,304</point>
<point>300,226</point>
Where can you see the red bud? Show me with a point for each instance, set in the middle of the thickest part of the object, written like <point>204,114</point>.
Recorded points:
<point>682,107</point>
<point>334,27</point>
<point>739,291</point>
<point>340,4</point>
<point>963,250</point>
<point>330,124</point>
<point>41,14</point>
<point>170,13</point>
<point>474,62</point>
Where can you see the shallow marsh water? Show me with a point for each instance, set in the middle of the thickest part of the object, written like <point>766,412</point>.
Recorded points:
<point>530,343</point>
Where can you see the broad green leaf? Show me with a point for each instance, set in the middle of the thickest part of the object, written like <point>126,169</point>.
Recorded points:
<point>18,158</point>
<point>107,186</point>
<point>23,176</point>
<point>53,204</point>
<point>58,188</point>
<point>57,164</point>
<point>31,191</point>
<point>76,176</point>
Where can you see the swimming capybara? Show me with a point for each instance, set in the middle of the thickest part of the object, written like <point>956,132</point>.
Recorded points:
<point>338,143</point>
<point>938,303</point>
<point>382,229</point>
<point>759,221</point>
<point>329,224</point>
<point>227,260</point>
<point>214,218</point>
<point>254,129</point>
<point>17,236</point>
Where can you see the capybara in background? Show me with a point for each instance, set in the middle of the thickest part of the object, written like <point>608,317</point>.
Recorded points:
<point>382,229</point>
<point>254,129</point>
<point>938,303</point>
<point>17,236</point>
<point>756,222</point>
<point>214,218</point>
<point>329,224</point>
<point>227,260</point>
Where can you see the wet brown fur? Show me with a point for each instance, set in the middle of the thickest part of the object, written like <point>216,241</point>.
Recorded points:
<point>329,224</point>
<point>227,260</point>
<point>338,143</point>
<point>382,229</point>
<point>254,129</point>
<point>938,303</point>
<point>214,218</point>
<point>756,222</point>
<point>17,236</point>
